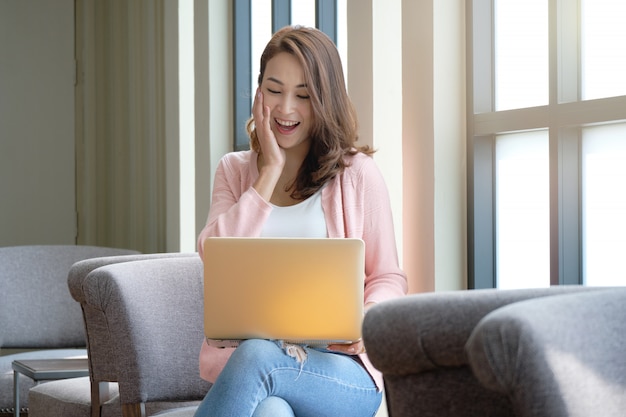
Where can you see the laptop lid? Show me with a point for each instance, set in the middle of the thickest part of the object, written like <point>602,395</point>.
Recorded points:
<point>301,290</point>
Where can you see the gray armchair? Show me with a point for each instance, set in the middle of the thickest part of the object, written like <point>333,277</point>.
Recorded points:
<point>419,343</point>
<point>144,321</point>
<point>38,318</point>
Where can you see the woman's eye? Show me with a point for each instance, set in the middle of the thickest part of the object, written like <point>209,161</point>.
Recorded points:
<point>273,91</point>
<point>303,97</point>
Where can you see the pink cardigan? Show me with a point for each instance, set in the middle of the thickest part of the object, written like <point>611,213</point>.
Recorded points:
<point>355,203</point>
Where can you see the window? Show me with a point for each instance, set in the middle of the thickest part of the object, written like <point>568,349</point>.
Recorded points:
<point>255,21</point>
<point>546,142</point>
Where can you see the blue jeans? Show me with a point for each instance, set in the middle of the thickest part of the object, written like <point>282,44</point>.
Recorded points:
<point>261,380</point>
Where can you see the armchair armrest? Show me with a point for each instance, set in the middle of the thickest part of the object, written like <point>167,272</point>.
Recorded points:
<point>422,332</point>
<point>559,356</point>
<point>148,314</point>
<point>79,271</point>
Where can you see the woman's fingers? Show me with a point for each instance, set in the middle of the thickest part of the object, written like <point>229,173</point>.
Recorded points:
<point>266,121</point>
<point>257,108</point>
<point>353,349</point>
<point>261,114</point>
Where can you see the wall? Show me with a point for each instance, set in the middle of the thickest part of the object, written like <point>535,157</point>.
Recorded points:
<point>37,164</point>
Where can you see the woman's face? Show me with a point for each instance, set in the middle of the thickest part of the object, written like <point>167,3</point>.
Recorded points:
<point>285,92</point>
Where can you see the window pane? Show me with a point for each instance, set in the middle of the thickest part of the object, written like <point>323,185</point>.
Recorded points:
<point>603,48</point>
<point>604,204</point>
<point>261,12</point>
<point>303,12</point>
<point>342,34</point>
<point>522,210</point>
<point>521,53</point>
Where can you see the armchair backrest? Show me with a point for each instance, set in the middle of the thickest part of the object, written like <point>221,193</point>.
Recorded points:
<point>36,309</point>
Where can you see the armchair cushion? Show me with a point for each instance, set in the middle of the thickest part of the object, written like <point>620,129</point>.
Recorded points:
<point>71,398</point>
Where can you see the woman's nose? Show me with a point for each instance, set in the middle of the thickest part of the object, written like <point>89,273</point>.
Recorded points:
<point>285,103</point>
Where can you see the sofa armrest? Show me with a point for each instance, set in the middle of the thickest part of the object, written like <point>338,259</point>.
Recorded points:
<point>559,356</point>
<point>153,310</point>
<point>422,332</point>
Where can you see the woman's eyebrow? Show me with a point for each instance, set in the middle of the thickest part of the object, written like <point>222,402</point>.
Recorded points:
<point>277,81</point>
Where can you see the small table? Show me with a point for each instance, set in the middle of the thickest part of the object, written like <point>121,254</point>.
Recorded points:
<point>46,369</point>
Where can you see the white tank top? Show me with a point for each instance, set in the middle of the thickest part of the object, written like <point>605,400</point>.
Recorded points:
<point>305,219</point>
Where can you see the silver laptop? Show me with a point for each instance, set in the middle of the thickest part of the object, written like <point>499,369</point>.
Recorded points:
<point>300,290</point>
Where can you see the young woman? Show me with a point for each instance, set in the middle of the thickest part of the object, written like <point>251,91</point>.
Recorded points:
<point>303,177</point>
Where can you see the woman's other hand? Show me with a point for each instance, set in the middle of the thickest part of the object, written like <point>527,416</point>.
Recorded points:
<point>356,348</point>
<point>353,349</point>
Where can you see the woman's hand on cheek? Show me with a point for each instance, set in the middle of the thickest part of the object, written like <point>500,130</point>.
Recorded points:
<point>273,155</point>
<point>272,160</point>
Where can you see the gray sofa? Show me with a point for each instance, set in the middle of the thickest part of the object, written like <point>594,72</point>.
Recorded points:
<point>38,318</point>
<point>555,352</point>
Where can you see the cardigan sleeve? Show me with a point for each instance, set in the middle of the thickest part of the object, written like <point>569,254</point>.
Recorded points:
<point>236,208</point>
<point>369,214</point>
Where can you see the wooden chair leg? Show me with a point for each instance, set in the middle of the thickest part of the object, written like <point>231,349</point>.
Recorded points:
<point>99,394</point>
<point>134,410</point>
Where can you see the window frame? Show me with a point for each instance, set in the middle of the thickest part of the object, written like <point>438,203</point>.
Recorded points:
<point>325,20</point>
<point>564,117</point>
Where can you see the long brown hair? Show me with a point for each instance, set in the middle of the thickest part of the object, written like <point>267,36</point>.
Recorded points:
<point>334,128</point>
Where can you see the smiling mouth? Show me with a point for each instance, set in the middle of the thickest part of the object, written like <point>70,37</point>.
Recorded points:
<point>286,126</point>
